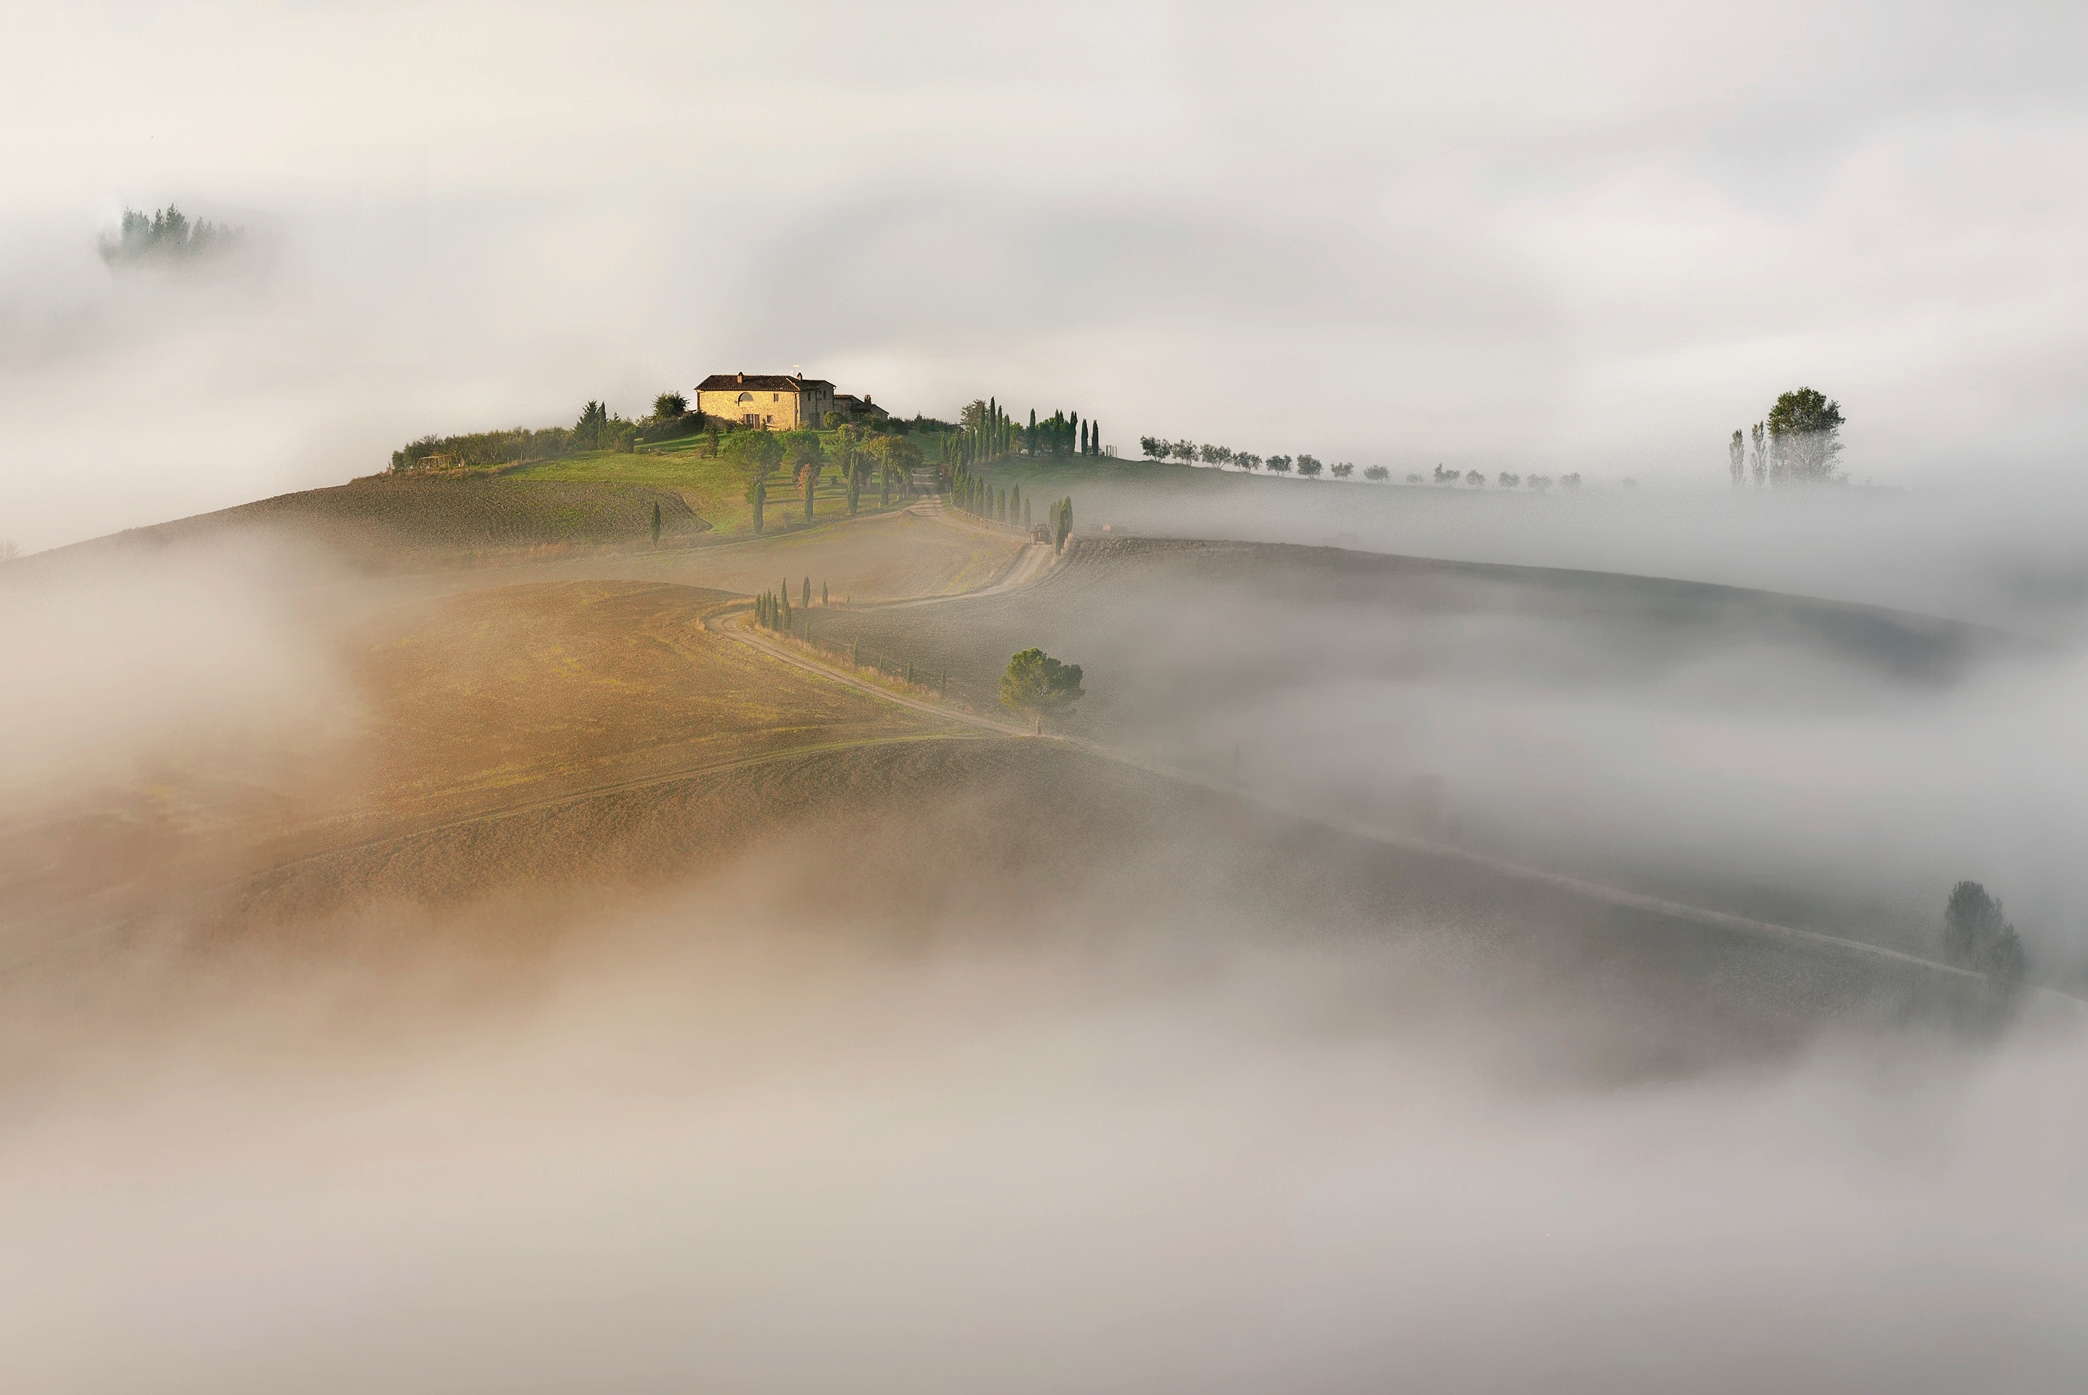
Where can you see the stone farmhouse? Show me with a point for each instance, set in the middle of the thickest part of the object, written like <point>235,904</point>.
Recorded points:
<point>775,401</point>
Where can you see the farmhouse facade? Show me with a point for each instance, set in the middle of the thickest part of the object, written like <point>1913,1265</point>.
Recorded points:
<point>772,401</point>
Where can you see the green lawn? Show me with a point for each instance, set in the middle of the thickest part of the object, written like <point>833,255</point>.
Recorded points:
<point>713,488</point>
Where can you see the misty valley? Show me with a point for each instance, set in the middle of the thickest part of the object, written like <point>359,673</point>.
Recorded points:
<point>919,699</point>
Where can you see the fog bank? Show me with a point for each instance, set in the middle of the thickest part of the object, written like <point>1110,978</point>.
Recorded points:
<point>767,1154</point>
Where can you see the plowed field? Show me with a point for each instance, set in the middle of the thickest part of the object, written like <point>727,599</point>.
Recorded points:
<point>389,523</point>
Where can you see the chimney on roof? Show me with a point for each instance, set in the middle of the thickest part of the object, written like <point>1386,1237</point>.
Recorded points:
<point>739,377</point>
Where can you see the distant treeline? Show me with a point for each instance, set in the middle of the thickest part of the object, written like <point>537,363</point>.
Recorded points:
<point>481,448</point>
<point>1159,448</point>
<point>167,236</point>
<point>1475,479</point>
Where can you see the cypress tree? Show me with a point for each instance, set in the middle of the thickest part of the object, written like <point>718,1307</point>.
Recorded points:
<point>1014,503</point>
<point>808,593</point>
<point>656,523</point>
<point>1074,426</point>
<point>823,594</point>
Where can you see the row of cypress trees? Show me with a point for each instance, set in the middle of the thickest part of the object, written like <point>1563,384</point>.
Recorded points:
<point>1063,433</point>
<point>773,610</point>
<point>1061,522</point>
<point>976,495</point>
<point>989,433</point>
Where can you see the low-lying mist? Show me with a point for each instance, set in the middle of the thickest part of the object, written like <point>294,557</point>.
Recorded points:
<point>1048,1076</point>
<point>1105,1122</point>
<point>1994,546</point>
<point>1797,762</point>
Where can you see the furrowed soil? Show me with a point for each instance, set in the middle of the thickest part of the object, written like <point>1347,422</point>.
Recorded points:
<point>401,523</point>
<point>458,705</point>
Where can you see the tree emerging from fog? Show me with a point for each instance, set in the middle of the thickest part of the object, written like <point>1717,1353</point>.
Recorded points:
<point>1978,937</point>
<point>167,237</point>
<point>1039,686</point>
<point>1797,443</point>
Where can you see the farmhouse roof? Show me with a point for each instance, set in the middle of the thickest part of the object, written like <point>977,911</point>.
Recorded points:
<point>760,382</point>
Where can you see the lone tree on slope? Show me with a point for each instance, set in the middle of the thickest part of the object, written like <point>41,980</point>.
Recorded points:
<point>1978,937</point>
<point>1038,685</point>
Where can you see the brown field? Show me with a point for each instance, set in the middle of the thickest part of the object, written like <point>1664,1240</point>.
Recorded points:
<point>908,841</point>
<point>463,705</point>
<point>405,523</point>
<point>539,733</point>
<point>873,558</point>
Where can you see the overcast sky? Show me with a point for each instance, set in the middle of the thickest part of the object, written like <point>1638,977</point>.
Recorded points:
<point>1495,235</point>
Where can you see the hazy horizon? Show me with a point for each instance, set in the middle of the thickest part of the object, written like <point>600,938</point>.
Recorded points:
<point>1504,238</point>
